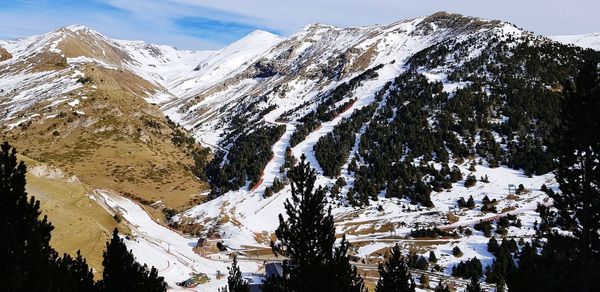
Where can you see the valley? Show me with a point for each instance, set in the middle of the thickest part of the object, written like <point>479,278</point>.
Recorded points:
<point>403,123</point>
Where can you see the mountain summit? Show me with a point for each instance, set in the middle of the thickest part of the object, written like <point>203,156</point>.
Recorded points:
<point>441,129</point>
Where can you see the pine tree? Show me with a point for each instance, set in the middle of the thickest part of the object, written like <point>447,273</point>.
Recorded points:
<point>474,286</point>
<point>346,275</point>
<point>578,201</point>
<point>457,252</point>
<point>432,257</point>
<point>123,273</point>
<point>424,281</point>
<point>25,252</point>
<point>394,275</point>
<point>422,263</point>
<point>493,245</point>
<point>73,274</point>
<point>470,203</point>
<point>235,281</point>
<point>441,287</point>
<point>307,239</point>
<point>28,262</point>
<point>571,262</point>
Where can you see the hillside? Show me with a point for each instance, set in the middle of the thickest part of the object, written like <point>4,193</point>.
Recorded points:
<point>434,133</point>
<point>85,111</point>
<point>587,41</point>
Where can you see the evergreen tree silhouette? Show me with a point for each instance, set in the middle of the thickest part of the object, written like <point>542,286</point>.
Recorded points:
<point>123,273</point>
<point>26,257</point>
<point>307,239</point>
<point>394,275</point>
<point>474,286</point>
<point>235,281</point>
<point>27,261</point>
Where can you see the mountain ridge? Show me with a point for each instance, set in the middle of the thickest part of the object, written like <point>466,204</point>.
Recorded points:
<point>400,121</point>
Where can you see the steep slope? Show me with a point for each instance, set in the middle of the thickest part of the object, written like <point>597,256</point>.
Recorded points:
<point>77,99</point>
<point>400,121</point>
<point>216,69</point>
<point>587,41</point>
<point>403,123</point>
<point>79,222</point>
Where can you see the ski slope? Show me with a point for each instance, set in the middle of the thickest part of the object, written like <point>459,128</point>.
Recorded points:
<point>170,252</point>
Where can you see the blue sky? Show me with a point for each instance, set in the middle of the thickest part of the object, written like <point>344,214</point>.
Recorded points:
<point>211,24</point>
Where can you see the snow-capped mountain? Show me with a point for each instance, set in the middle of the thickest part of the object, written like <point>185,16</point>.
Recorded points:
<point>317,58</point>
<point>400,121</point>
<point>588,41</point>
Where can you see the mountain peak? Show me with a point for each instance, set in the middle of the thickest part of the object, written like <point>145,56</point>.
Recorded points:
<point>76,29</point>
<point>315,26</point>
<point>259,36</point>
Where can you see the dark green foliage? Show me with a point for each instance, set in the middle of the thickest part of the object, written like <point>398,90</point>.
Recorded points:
<point>441,287</point>
<point>466,204</point>
<point>474,285</point>
<point>332,150</point>
<point>470,203</point>
<point>485,179</point>
<point>457,252</point>
<point>277,186</point>
<point>25,251</point>
<point>461,202</point>
<point>469,269</point>
<point>388,158</point>
<point>394,275</point>
<point>485,227</point>
<point>307,239</point>
<point>337,186</point>
<point>422,264</point>
<point>324,111</point>
<point>432,257</point>
<point>570,263</point>
<point>235,281</point>
<point>455,174</point>
<point>309,124</point>
<point>417,262</point>
<point>488,205</point>
<point>470,181</point>
<point>180,137</point>
<point>29,263</point>
<point>123,273</point>
<point>346,275</point>
<point>521,83</point>
<point>493,245</point>
<point>244,161</point>
<point>503,266</point>
<point>428,232</point>
<point>74,274</point>
<point>578,202</point>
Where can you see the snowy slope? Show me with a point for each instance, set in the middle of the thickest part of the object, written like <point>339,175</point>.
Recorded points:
<point>168,251</point>
<point>295,70</point>
<point>588,41</point>
<point>220,64</point>
<point>204,91</point>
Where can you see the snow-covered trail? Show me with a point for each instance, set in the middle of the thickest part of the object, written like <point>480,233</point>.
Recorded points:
<point>365,95</point>
<point>168,251</point>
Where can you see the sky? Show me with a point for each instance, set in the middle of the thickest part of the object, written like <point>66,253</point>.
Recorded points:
<point>212,24</point>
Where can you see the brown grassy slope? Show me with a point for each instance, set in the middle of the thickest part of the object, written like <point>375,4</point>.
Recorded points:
<point>4,54</point>
<point>120,143</point>
<point>79,222</point>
